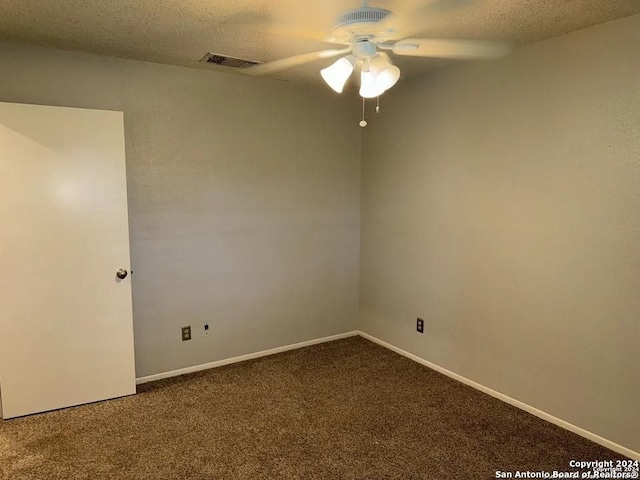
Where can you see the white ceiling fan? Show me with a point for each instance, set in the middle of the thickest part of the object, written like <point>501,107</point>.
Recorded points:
<point>370,32</point>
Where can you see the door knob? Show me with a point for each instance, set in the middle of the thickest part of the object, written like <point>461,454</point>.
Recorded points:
<point>122,274</point>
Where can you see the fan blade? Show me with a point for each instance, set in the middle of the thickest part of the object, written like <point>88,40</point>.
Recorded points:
<point>405,23</point>
<point>303,33</point>
<point>290,62</point>
<point>456,49</point>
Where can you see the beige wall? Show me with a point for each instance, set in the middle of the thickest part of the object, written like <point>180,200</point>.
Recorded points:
<point>242,214</point>
<point>501,203</point>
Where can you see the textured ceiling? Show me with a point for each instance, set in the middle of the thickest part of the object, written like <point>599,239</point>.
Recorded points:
<point>180,32</point>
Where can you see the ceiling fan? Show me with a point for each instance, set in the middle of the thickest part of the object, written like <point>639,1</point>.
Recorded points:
<point>368,33</point>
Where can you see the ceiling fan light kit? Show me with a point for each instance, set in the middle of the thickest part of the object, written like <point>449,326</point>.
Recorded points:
<point>387,78</point>
<point>368,86</point>
<point>366,31</point>
<point>385,73</point>
<point>339,72</point>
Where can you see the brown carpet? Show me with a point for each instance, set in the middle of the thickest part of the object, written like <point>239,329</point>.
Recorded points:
<point>342,410</point>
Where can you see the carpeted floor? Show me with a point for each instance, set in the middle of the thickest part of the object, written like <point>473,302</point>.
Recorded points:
<point>342,410</point>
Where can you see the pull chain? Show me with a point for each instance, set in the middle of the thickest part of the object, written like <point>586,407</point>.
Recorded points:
<point>377,104</point>
<point>363,122</point>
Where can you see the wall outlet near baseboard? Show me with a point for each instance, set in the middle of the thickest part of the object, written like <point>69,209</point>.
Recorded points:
<point>186,333</point>
<point>420,325</point>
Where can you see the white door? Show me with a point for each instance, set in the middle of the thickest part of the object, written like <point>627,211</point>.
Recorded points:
<point>66,325</point>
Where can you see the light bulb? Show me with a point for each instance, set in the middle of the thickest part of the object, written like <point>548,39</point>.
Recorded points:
<point>387,78</point>
<point>385,74</point>
<point>337,74</point>
<point>367,86</point>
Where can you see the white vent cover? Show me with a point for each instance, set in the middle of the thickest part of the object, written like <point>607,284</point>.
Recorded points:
<point>363,15</point>
<point>227,61</point>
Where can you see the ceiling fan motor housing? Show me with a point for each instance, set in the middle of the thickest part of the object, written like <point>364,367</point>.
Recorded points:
<point>363,21</point>
<point>364,49</point>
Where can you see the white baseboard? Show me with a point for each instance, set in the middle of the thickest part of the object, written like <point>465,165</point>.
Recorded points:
<point>511,401</point>
<point>242,358</point>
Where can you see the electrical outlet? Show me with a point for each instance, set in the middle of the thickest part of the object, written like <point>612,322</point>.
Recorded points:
<point>186,333</point>
<point>206,329</point>
<point>420,325</point>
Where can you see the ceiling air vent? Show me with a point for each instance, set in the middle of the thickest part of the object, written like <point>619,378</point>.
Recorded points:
<point>363,15</point>
<point>227,61</point>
